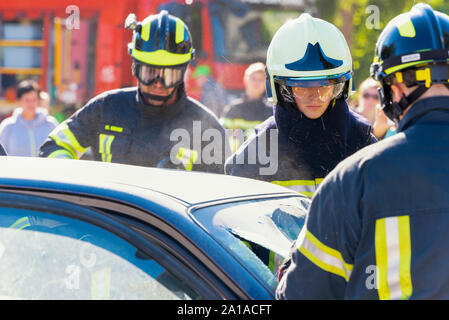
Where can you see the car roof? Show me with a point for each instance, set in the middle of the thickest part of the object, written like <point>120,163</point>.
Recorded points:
<point>188,187</point>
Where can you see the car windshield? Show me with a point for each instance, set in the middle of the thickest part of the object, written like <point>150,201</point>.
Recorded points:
<point>259,233</point>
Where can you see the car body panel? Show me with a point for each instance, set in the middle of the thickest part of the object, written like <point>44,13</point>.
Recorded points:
<point>161,198</point>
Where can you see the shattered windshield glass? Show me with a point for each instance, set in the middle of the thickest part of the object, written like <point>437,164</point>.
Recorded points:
<point>251,230</point>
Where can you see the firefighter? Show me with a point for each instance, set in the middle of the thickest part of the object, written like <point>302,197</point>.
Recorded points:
<point>378,225</point>
<point>242,115</point>
<point>309,76</point>
<point>152,124</point>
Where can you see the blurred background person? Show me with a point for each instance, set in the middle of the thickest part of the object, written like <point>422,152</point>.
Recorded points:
<point>382,126</point>
<point>251,110</point>
<point>44,100</point>
<point>213,95</point>
<point>368,98</point>
<point>26,129</point>
<point>368,106</point>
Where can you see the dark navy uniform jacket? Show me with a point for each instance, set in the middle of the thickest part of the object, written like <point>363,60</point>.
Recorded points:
<point>294,151</point>
<point>120,127</point>
<point>378,225</point>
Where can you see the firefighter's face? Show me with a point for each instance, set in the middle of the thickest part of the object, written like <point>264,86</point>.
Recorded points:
<point>158,89</point>
<point>313,101</point>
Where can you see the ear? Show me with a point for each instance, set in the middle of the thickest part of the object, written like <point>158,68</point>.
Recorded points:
<point>397,91</point>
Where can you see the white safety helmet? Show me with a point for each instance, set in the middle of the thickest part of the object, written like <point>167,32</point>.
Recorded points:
<point>308,52</point>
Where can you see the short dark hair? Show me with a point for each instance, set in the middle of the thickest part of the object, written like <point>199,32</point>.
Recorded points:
<point>26,86</point>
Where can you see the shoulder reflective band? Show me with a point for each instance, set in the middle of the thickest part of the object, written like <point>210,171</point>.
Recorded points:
<point>324,257</point>
<point>305,187</point>
<point>187,157</point>
<point>104,147</point>
<point>393,258</point>
<point>65,138</point>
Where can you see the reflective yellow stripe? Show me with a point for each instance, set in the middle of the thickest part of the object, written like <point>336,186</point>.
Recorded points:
<point>381,260</point>
<point>323,256</point>
<point>405,65</point>
<point>64,138</point>
<point>405,26</point>
<point>20,223</point>
<point>239,123</point>
<point>60,154</point>
<point>234,142</point>
<point>179,35</point>
<point>290,183</point>
<point>187,157</point>
<point>145,34</point>
<point>393,258</point>
<point>104,147</point>
<point>305,187</point>
<point>161,57</point>
<point>113,128</point>
<point>405,248</point>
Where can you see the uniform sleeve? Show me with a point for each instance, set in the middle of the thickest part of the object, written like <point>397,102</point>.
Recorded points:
<point>71,138</point>
<point>321,259</point>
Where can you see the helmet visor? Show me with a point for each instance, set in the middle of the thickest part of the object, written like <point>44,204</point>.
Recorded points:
<point>312,90</point>
<point>168,76</point>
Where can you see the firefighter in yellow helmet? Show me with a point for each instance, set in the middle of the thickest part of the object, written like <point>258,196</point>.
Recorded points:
<point>137,125</point>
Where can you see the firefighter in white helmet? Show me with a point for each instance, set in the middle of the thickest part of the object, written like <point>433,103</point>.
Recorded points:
<point>309,76</point>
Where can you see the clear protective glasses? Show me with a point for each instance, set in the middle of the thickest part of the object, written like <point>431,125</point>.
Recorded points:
<point>312,89</point>
<point>169,76</point>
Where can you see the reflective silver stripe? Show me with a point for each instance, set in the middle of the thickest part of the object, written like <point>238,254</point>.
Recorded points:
<point>394,284</point>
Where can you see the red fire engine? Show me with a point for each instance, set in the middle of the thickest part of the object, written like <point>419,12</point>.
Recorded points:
<point>78,48</point>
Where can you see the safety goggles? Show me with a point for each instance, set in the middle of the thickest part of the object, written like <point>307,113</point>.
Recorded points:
<point>312,89</point>
<point>169,76</point>
<point>313,82</point>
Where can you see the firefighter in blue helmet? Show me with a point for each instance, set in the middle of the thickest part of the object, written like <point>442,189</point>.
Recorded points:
<point>309,76</point>
<point>136,125</point>
<point>378,225</point>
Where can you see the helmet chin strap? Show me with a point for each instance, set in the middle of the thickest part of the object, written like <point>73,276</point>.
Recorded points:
<point>397,108</point>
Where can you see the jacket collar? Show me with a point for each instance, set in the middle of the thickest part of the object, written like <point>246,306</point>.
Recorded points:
<point>421,108</point>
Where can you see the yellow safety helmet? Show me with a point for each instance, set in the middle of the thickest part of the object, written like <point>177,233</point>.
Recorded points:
<point>161,48</point>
